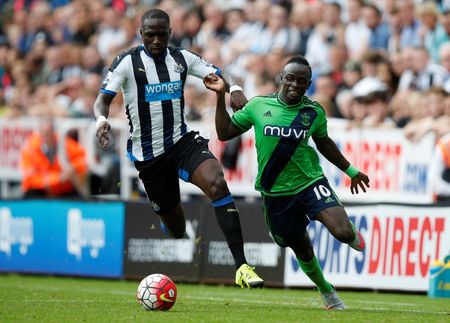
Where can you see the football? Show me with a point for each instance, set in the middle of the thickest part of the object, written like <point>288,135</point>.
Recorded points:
<point>156,292</point>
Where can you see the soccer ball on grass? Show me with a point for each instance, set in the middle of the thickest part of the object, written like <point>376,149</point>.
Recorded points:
<point>157,292</point>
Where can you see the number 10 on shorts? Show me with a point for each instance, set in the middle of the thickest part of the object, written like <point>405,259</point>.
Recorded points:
<point>321,191</point>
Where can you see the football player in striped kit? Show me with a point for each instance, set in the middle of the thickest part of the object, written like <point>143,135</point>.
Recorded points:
<point>152,77</point>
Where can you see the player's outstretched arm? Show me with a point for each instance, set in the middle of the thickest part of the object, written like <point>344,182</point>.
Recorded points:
<point>237,97</point>
<point>101,112</point>
<point>327,147</point>
<point>224,126</point>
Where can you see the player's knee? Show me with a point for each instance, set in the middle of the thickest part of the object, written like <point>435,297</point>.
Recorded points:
<point>345,235</point>
<point>218,188</point>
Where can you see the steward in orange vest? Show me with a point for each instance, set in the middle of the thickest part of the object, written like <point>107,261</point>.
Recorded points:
<point>43,175</point>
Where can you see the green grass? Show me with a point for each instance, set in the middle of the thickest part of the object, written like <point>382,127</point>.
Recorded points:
<point>61,299</point>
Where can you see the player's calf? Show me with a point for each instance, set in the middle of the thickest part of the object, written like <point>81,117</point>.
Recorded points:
<point>358,242</point>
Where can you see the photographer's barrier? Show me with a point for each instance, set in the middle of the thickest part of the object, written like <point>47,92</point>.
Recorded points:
<point>62,237</point>
<point>124,240</point>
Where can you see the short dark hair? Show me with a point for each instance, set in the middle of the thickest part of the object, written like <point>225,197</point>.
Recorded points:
<point>299,59</point>
<point>374,8</point>
<point>155,13</point>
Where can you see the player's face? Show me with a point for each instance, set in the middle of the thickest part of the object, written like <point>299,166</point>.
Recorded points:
<point>155,33</point>
<point>295,80</point>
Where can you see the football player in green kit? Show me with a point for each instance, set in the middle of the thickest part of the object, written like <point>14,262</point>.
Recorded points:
<point>290,179</point>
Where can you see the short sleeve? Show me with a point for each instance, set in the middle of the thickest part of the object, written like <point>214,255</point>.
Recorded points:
<point>197,66</point>
<point>243,119</point>
<point>117,75</point>
<point>320,129</point>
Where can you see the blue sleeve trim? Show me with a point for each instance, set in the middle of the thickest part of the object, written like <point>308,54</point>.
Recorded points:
<point>183,174</point>
<point>218,70</point>
<point>131,157</point>
<point>107,91</point>
<point>223,201</point>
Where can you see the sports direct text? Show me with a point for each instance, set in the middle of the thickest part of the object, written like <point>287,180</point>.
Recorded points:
<point>401,244</point>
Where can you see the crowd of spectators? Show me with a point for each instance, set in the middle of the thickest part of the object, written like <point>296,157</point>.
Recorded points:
<point>380,63</point>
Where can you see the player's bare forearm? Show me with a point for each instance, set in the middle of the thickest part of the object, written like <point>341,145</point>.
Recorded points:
<point>224,126</point>
<point>330,151</point>
<point>227,79</point>
<point>101,108</point>
<point>101,105</point>
<point>327,147</point>
<point>237,97</point>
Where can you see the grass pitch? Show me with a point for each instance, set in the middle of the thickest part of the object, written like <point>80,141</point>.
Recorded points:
<point>62,299</point>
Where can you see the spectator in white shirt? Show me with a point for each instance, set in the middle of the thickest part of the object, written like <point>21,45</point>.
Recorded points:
<point>424,74</point>
<point>356,32</point>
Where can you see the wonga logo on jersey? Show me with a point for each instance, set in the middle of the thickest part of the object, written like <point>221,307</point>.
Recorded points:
<point>15,231</point>
<point>163,91</point>
<point>84,233</point>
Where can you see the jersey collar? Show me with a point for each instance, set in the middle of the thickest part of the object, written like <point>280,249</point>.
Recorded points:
<point>162,57</point>
<point>290,105</point>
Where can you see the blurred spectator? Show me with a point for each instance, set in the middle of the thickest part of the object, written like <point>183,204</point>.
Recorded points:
<point>213,32</point>
<point>344,102</point>
<point>409,36</point>
<point>369,62</point>
<point>395,29</point>
<point>379,30</point>
<point>178,37</point>
<point>444,55</point>
<point>237,48</point>
<point>356,31</point>
<point>277,34</point>
<point>111,36</point>
<point>423,74</point>
<point>326,91</point>
<point>444,37</point>
<point>301,18</point>
<point>329,32</point>
<point>43,173</point>
<point>430,108</point>
<point>399,107</point>
<point>52,54</point>
<point>351,75</point>
<point>432,32</point>
<point>439,172</point>
<point>371,96</point>
<point>35,29</point>
<point>91,61</point>
<point>386,74</point>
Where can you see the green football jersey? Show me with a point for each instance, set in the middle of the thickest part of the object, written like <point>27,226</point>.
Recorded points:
<point>286,163</point>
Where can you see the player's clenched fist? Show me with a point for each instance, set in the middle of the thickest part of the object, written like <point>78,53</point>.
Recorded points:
<point>214,83</point>
<point>103,134</point>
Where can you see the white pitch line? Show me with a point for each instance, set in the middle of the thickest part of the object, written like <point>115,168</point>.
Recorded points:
<point>311,302</point>
<point>374,309</point>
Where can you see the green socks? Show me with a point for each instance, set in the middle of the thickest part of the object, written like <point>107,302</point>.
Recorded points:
<point>314,272</point>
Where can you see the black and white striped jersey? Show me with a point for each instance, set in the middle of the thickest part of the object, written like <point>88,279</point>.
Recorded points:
<point>153,96</point>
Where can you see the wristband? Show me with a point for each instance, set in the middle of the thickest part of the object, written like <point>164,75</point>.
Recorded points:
<point>352,171</point>
<point>100,120</point>
<point>235,88</point>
